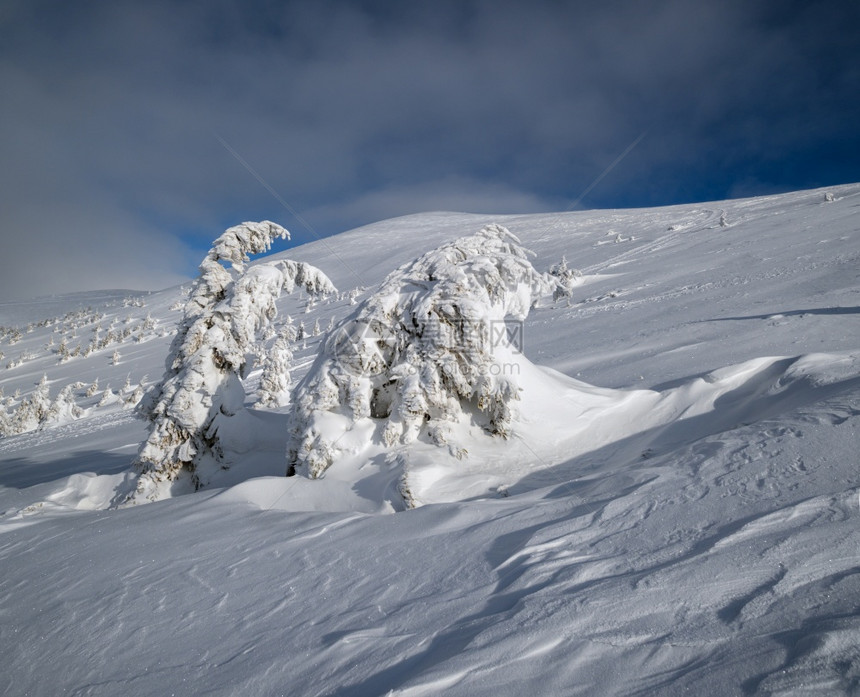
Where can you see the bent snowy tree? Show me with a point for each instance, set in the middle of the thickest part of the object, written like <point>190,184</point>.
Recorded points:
<point>201,388</point>
<point>423,349</point>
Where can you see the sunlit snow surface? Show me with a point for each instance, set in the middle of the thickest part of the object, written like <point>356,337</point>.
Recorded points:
<point>676,512</point>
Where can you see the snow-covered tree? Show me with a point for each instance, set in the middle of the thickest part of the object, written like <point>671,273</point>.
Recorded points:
<point>136,394</point>
<point>5,421</point>
<point>566,279</point>
<point>108,397</point>
<point>275,381</point>
<point>422,351</point>
<point>32,410</point>
<point>64,407</point>
<point>63,351</point>
<point>201,388</point>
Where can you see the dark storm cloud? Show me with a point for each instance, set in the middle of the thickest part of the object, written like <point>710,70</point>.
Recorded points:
<point>113,116</point>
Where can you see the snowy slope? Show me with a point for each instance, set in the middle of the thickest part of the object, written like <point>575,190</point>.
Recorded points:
<point>677,511</point>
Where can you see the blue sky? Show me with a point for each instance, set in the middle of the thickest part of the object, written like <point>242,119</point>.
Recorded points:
<point>128,128</point>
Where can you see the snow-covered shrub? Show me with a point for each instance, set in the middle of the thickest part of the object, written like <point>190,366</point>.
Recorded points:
<point>32,410</point>
<point>136,395</point>
<point>275,381</point>
<point>5,421</point>
<point>421,351</point>
<point>108,397</point>
<point>64,407</point>
<point>202,387</point>
<point>566,279</point>
<point>38,410</point>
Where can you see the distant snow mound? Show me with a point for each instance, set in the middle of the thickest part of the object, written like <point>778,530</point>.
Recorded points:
<point>426,348</point>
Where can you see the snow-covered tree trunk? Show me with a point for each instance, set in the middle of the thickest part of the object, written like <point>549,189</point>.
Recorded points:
<point>421,351</point>
<point>202,386</point>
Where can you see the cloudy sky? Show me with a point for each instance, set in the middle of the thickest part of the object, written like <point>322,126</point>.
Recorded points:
<point>132,133</point>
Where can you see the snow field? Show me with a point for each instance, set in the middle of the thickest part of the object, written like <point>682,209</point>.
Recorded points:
<point>675,511</point>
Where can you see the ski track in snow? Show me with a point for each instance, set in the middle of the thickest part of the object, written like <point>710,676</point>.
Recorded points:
<point>699,537</point>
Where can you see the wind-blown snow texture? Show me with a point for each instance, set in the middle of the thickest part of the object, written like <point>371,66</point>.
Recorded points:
<point>674,512</point>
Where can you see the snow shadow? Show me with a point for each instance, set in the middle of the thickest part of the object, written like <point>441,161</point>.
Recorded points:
<point>793,313</point>
<point>24,472</point>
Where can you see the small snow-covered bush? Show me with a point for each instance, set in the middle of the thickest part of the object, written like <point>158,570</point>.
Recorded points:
<point>5,421</point>
<point>64,408</point>
<point>32,410</point>
<point>38,411</point>
<point>136,394</point>
<point>421,351</point>
<point>566,279</point>
<point>108,397</point>
<point>275,381</point>
<point>202,387</point>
